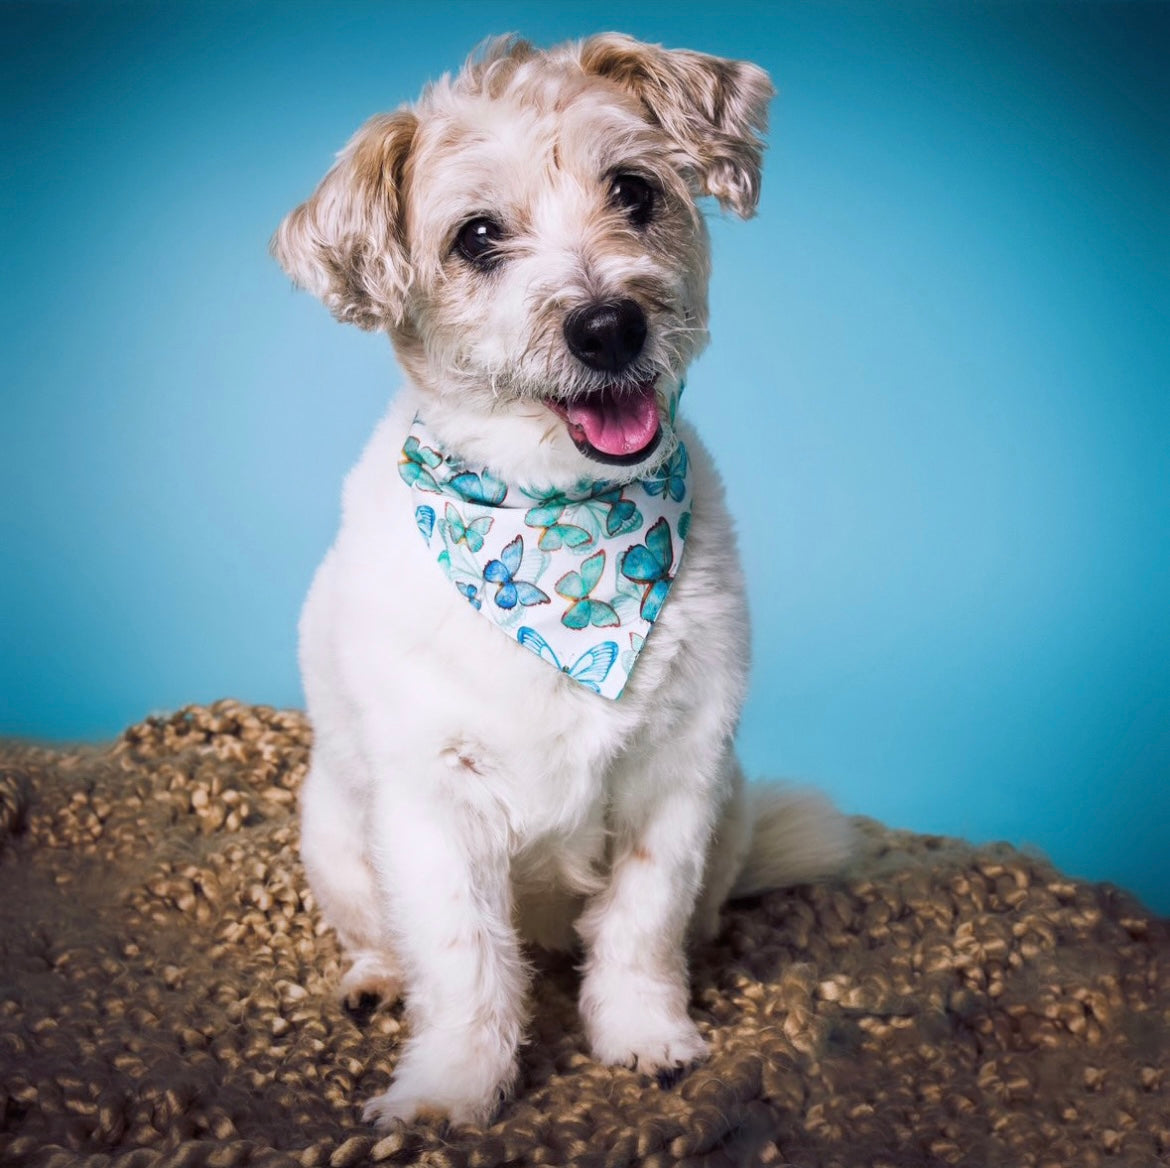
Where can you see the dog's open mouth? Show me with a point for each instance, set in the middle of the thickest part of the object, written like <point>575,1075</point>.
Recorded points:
<point>617,425</point>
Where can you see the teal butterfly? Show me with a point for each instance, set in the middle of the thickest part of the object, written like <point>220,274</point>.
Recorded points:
<point>416,465</point>
<point>590,669</point>
<point>548,514</point>
<point>501,572</point>
<point>459,531</point>
<point>623,515</point>
<point>670,478</point>
<point>585,610</point>
<point>649,564</point>
<point>482,488</point>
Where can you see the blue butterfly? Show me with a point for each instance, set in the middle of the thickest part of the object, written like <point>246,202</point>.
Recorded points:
<point>623,515</point>
<point>501,572</point>
<point>649,564</point>
<point>482,488</point>
<point>590,669</point>
<point>670,478</point>
<point>425,518</point>
<point>469,533</point>
<point>585,610</point>
<point>416,465</point>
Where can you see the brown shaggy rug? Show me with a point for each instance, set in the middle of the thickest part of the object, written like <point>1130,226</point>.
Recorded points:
<point>165,997</point>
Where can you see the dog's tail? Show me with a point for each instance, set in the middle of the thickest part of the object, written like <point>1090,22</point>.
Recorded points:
<point>797,836</point>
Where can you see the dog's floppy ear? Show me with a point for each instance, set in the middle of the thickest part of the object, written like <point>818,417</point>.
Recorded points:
<point>716,110</point>
<point>347,243</point>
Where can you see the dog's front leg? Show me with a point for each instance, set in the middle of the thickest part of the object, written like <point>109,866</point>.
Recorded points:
<point>635,988</point>
<point>443,871</point>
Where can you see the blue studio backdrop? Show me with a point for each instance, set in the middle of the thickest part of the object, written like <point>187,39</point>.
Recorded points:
<point>937,386</point>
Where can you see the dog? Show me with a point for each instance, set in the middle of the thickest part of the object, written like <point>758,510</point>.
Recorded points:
<point>524,656</point>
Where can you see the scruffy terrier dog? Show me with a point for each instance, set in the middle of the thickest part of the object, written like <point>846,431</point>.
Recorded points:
<point>526,652</point>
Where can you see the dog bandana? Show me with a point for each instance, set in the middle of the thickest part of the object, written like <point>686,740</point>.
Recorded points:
<point>577,577</point>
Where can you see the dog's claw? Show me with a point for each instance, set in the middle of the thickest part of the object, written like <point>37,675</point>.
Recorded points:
<point>668,1077</point>
<point>361,1007</point>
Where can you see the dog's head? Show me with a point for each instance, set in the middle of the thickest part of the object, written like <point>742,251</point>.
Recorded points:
<point>528,236</point>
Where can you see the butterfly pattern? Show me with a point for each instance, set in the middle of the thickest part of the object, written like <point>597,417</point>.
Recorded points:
<point>631,654</point>
<point>590,669</point>
<point>623,515</point>
<point>560,572</point>
<point>586,610</point>
<point>482,488</point>
<point>555,531</point>
<point>417,463</point>
<point>471,593</point>
<point>502,573</point>
<point>670,479</point>
<point>459,530</point>
<point>424,517</point>
<point>649,564</point>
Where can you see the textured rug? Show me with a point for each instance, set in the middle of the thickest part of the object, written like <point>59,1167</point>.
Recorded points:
<point>166,997</point>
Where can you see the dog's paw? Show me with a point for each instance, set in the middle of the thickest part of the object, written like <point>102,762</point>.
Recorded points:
<point>373,978</point>
<point>653,1042</point>
<point>639,1021</point>
<point>444,1081</point>
<point>395,1108</point>
<point>398,1107</point>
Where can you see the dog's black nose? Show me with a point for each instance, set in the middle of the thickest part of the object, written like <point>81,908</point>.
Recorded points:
<point>606,336</point>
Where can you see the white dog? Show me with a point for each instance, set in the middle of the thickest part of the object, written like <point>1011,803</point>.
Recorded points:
<point>526,652</point>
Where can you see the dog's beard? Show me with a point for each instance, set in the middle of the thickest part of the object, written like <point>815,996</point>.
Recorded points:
<point>615,422</point>
<point>612,418</point>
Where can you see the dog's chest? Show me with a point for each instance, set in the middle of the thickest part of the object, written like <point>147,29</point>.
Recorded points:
<point>508,732</point>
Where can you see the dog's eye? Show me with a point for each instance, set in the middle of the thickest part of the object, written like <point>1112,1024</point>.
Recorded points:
<point>633,195</point>
<point>478,240</point>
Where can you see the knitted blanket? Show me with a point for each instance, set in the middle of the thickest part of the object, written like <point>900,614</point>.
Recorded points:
<point>166,997</point>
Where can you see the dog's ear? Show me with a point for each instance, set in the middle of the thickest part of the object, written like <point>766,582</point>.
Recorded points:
<point>347,243</point>
<point>716,110</point>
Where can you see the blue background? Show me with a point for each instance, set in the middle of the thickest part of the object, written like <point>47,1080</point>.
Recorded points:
<point>937,386</point>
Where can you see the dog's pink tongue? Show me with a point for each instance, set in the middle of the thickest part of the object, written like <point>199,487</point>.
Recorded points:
<point>617,423</point>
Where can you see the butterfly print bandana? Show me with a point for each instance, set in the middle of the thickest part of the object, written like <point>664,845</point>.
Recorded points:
<point>577,577</point>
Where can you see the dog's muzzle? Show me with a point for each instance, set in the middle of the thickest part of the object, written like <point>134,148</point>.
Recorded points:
<point>617,423</point>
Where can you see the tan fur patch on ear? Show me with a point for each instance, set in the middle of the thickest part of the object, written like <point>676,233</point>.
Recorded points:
<point>715,109</point>
<point>347,243</point>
